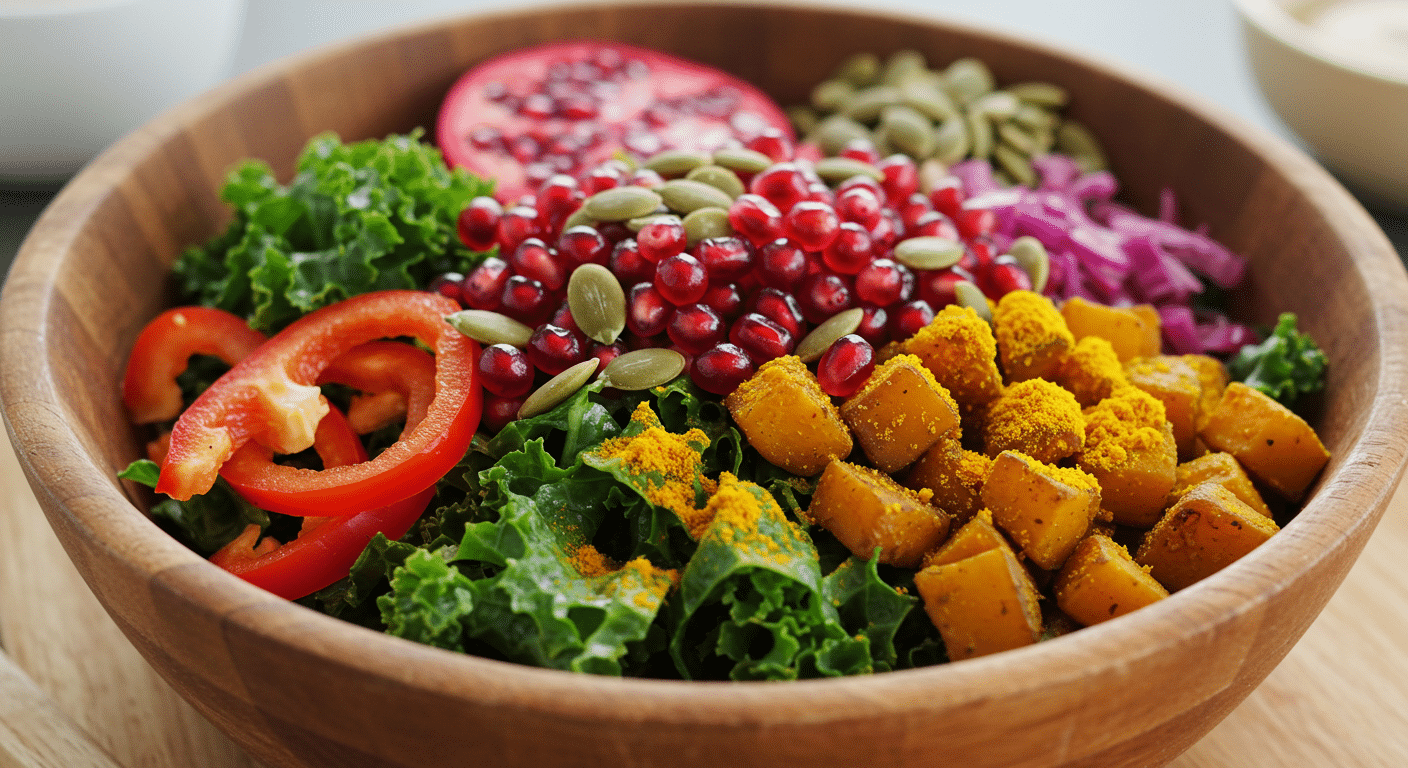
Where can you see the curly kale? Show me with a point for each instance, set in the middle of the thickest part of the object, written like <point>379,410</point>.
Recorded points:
<point>1285,366</point>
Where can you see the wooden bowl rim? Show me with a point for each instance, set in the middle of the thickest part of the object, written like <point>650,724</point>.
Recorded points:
<point>1368,475</point>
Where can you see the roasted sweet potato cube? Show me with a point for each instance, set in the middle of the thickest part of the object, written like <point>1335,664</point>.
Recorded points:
<point>1101,581</point>
<point>981,604</point>
<point>975,536</point>
<point>1132,331</point>
<point>1046,509</point>
<point>1213,376</point>
<point>865,509</point>
<point>1275,446</point>
<point>1179,386</point>
<point>899,413</point>
<point>1207,529</point>
<point>958,347</point>
<point>1091,371</point>
<point>1038,418</point>
<point>1129,448</point>
<point>1220,468</point>
<point>784,413</point>
<point>953,475</point>
<point>1032,337</point>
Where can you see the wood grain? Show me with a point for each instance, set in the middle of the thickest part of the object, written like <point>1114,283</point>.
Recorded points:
<point>300,689</point>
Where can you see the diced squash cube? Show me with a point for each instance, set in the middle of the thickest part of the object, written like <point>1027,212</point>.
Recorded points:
<point>1275,446</point>
<point>1129,448</point>
<point>1132,331</point>
<point>1208,529</point>
<point>1176,384</point>
<point>1213,376</point>
<point>1044,508</point>
<point>1092,371</point>
<point>1220,468</point>
<point>958,347</point>
<point>981,604</point>
<point>1036,417</point>
<point>953,475</point>
<point>973,537</point>
<point>784,413</point>
<point>1032,337</point>
<point>899,413</point>
<point>865,509</point>
<point>1101,581</point>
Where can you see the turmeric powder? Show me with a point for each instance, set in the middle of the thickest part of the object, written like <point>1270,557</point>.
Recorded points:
<point>1091,371</point>
<point>958,348</point>
<point>1032,337</point>
<point>1035,417</point>
<point>666,465</point>
<point>1128,421</point>
<point>734,513</point>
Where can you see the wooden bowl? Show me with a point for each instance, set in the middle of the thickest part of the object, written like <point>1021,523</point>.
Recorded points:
<point>298,688</point>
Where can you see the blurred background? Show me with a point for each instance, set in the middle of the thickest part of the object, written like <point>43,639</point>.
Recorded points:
<point>96,69</point>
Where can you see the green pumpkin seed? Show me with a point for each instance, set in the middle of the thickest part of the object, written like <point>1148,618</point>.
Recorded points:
<point>488,327</point>
<point>903,65</point>
<point>718,177</point>
<point>865,105</point>
<point>706,223</point>
<point>677,162</point>
<point>968,78</point>
<point>1074,139</point>
<point>804,119</point>
<point>834,170</point>
<point>833,133</point>
<point>929,99</point>
<point>1043,139</point>
<point>909,131</point>
<point>597,303</point>
<point>969,295</point>
<point>823,336</point>
<point>1015,164</point>
<point>860,70</point>
<point>621,204</point>
<point>642,369</point>
<point>742,160</point>
<point>980,135</point>
<point>1031,116</point>
<point>1043,94</point>
<point>996,105</point>
<point>687,196</point>
<point>880,139</point>
<point>558,388</point>
<point>928,252</point>
<point>1034,260</point>
<point>951,141</point>
<point>1013,135</point>
<point>831,95</point>
<point>578,218</point>
<point>1003,178</point>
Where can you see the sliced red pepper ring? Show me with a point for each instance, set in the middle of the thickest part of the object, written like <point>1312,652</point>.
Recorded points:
<point>327,547</point>
<point>272,397</point>
<point>163,349</point>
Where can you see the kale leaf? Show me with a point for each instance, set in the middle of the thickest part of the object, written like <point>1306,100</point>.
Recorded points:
<point>1285,366</point>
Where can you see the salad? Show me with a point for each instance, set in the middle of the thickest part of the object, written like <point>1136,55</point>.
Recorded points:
<point>640,382</point>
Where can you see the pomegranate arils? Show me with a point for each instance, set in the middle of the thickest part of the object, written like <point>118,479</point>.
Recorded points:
<point>478,223</point>
<point>936,287</point>
<point>934,224</point>
<point>773,143</point>
<point>874,326</point>
<point>721,369</point>
<point>628,265</point>
<point>781,264</point>
<point>812,225</point>
<point>760,337</point>
<point>661,239</point>
<point>783,184</point>
<point>914,207</point>
<point>947,196</point>
<point>724,298</point>
<point>605,353</point>
<point>781,308</point>
<point>861,149</point>
<point>1003,276</point>
<point>681,279</point>
<point>535,260</point>
<point>450,285</point>
<point>647,312</point>
<point>756,218</point>
<point>908,318</point>
<point>860,205</point>
<point>583,244</point>
<point>602,178</point>
<point>975,222</point>
<point>484,287</point>
<point>562,318</point>
<point>884,282</point>
<point>725,259</point>
<point>845,365</point>
<point>559,196</point>
<point>499,411</point>
<point>823,295</point>
<point>526,300</point>
<point>505,370</point>
<point>850,250</point>
<point>516,225</point>
<point>695,328</point>
<point>554,350</point>
<point>901,176</point>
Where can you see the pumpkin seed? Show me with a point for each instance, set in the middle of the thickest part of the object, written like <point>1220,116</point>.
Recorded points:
<point>578,218</point>
<point>1043,94</point>
<point>1034,260</point>
<point>865,105</point>
<point>1031,116</point>
<point>830,95</point>
<point>860,70</point>
<point>597,303</point>
<point>929,99</point>
<point>676,162</point>
<point>705,223</point>
<point>968,78</point>
<point>903,65</point>
<point>742,160</point>
<point>834,170</point>
<point>969,295</point>
<point>823,336</point>
<point>1015,164</point>
<point>488,327</point>
<point>980,134</point>
<point>1012,134</point>
<point>928,252</point>
<point>951,141</point>
<point>804,119</point>
<point>686,196</point>
<point>718,177</point>
<point>996,105</point>
<point>621,204</point>
<point>642,369</point>
<point>1043,139</point>
<point>1074,139</point>
<point>833,133</point>
<point>558,388</point>
<point>909,131</point>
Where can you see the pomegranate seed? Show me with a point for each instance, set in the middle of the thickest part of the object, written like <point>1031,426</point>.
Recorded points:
<point>628,265</point>
<point>975,222</point>
<point>726,259</point>
<point>534,259</point>
<point>845,365</point>
<point>864,182</point>
<point>781,308</point>
<point>721,369</point>
<point>582,244</point>
<point>818,192</point>
<point>947,196</point>
<point>526,300</point>
<point>562,318</point>
<point>661,239</point>
<point>450,285</point>
<point>516,225</point>
<point>861,149</point>
<point>695,328</point>
<point>760,337</point>
<point>724,298</point>
<point>909,317</point>
<point>484,288</point>
<point>901,176</point>
<point>615,232</point>
<point>634,341</point>
<point>478,223</point>
<point>783,184</point>
<point>1004,276</point>
<point>976,257</point>
<point>860,205</point>
<point>884,282</point>
<point>603,177</point>
<point>559,196</point>
<point>914,206</point>
<point>505,370</point>
<point>850,251</point>
<point>605,353</point>
<point>812,225</point>
<point>647,312</point>
<point>499,411</point>
<point>885,232</point>
<point>773,143</point>
<point>934,224</point>
<point>756,218</point>
<point>874,326</point>
<point>823,295</point>
<point>553,349</point>
<point>781,264</point>
<point>936,286</point>
<point>681,279</point>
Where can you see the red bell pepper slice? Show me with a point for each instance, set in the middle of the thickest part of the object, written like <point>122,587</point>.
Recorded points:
<point>327,547</point>
<point>272,397</point>
<point>397,381</point>
<point>163,349</point>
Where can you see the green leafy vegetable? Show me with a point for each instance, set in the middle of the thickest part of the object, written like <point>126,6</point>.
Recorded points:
<point>1284,366</point>
<point>204,523</point>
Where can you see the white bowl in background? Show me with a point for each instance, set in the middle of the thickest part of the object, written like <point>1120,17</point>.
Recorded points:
<point>1336,71</point>
<point>75,75</point>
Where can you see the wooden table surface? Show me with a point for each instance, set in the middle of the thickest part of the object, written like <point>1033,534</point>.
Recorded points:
<point>76,693</point>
